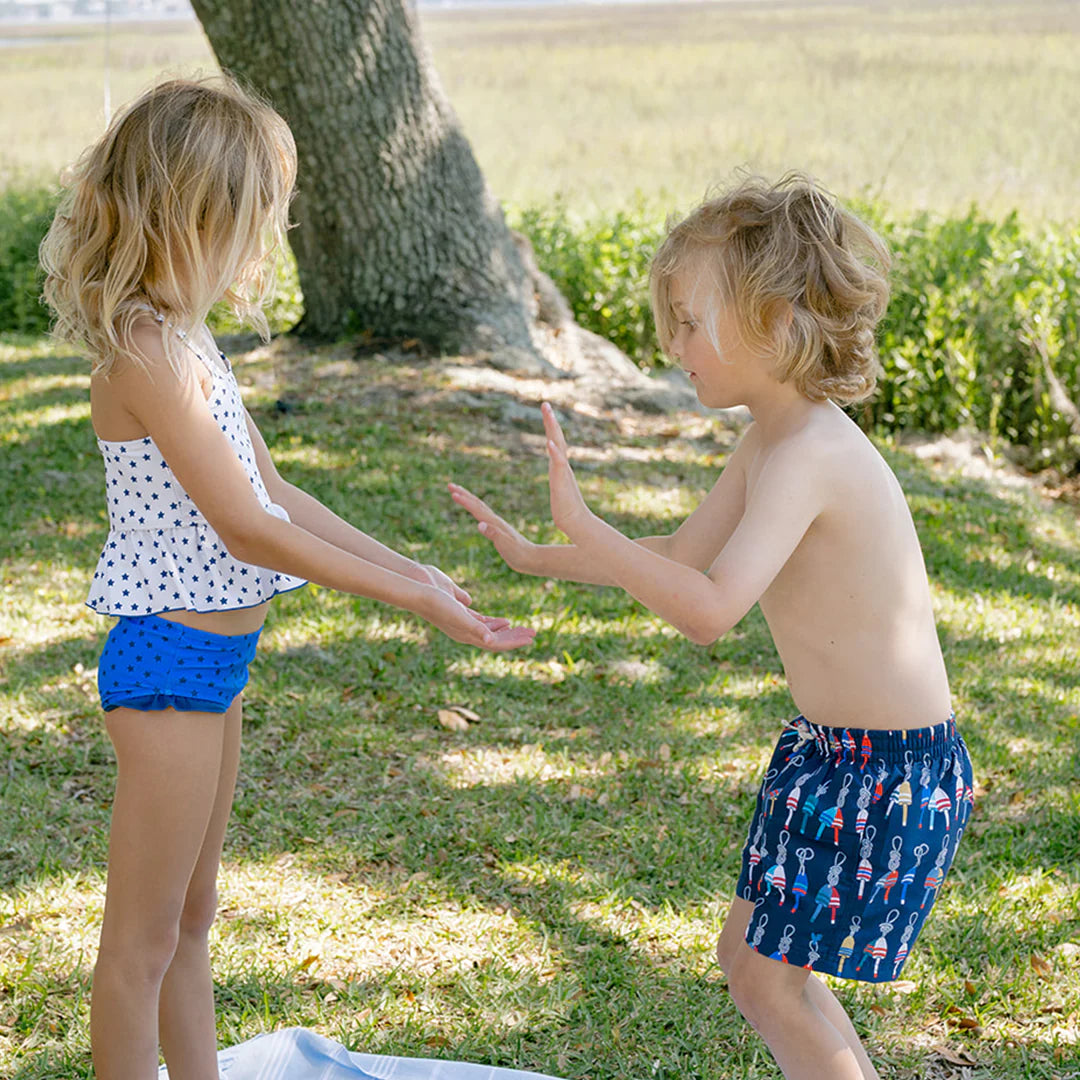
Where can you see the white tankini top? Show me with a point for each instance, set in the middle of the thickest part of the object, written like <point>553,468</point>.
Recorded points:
<point>161,553</point>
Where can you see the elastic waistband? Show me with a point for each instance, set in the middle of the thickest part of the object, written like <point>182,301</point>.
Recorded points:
<point>861,745</point>
<point>174,631</point>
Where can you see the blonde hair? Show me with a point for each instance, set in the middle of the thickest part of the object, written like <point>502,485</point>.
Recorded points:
<point>180,204</point>
<point>805,277</point>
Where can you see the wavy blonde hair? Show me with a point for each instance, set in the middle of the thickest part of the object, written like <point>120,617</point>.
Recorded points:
<point>806,279</point>
<point>182,202</point>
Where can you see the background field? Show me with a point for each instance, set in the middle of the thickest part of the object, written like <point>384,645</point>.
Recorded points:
<point>922,103</point>
<point>544,889</point>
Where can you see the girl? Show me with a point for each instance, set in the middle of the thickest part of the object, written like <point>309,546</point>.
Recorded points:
<point>181,203</point>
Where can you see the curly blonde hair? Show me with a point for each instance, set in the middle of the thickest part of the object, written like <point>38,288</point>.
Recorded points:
<point>182,202</point>
<point>806,279</point>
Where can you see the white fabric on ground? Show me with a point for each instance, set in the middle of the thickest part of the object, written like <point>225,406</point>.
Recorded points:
<point>299,1054</point>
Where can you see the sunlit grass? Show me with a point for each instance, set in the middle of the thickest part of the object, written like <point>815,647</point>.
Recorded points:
<point>543,889</point>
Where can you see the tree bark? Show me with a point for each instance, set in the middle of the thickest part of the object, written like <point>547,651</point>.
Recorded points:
<point>396,230</point>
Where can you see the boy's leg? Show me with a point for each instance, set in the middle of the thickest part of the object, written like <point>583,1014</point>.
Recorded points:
<point>798,1016</point>
<point>186,1016</point>
<point>168,769</point>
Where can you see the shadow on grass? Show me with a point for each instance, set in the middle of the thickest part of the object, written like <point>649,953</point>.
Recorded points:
<point>344,762</point>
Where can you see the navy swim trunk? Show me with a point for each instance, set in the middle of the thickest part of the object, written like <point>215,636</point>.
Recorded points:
<point>150,663</point>
<point>853,834</point>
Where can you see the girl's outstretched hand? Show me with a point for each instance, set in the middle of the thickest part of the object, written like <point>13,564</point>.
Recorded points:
<point>568,509</point>
<point>471,628</point>
<point>509,543</point>
<point>442,581</point>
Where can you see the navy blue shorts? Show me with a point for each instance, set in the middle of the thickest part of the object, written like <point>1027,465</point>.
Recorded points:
<point>150,663</point>
<point>840,888</point>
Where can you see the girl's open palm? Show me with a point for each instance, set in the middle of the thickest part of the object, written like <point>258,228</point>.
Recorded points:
<point>508,542</point>
<point>469,627</point>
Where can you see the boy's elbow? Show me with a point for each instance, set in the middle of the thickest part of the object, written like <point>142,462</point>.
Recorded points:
<point>706,631</point>
<point>711,622</point>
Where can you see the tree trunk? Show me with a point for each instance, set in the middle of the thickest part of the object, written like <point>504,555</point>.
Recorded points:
<point>397,232</point>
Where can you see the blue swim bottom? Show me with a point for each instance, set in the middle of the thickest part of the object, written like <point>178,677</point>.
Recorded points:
<point>150,663</point>
<point>844,889</point>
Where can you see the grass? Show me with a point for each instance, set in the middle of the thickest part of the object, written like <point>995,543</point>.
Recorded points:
<point>923,104</point>
<point>544,889</point>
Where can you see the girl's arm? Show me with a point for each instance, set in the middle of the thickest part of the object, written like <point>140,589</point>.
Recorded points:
<point>172,409</point>
<point>310,514</point>
<point>697,541</point>
<point>703,606</point>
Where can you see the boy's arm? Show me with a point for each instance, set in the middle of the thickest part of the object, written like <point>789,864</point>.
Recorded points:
<point>696,542</point>
<point>310,514</point>
<point>784,503</point>
<point>564,561</point>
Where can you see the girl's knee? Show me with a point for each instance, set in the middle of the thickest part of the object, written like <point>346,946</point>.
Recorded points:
<point>140,957</point>
<point>200,910</point>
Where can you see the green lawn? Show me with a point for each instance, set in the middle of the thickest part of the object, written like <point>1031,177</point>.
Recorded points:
<point>544,889</point>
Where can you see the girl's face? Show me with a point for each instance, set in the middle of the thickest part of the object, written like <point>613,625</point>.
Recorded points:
<point>722,369</point>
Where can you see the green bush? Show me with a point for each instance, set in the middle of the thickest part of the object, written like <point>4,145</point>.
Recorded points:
<point>601,266</point>
<point>978,308</point>
<point>25,213</point>
<point>974,305</point>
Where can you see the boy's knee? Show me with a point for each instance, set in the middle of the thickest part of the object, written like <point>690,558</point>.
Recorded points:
<point>762,1001</point>
<point>725,954</point>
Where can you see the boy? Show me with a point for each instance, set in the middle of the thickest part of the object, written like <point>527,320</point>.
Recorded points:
<point>768,297</point>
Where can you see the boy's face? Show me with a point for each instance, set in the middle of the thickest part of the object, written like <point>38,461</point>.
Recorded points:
<point>722,369</point>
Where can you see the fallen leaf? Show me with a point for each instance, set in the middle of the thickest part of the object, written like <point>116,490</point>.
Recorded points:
<point>437,1040</point>
<point>461,710</point>
<point>970,987</point>
<point>453,721</point>
<point>1040,966</point>
<point>665,752</point>
<point>879,1010</point>
<point>954,1057</point>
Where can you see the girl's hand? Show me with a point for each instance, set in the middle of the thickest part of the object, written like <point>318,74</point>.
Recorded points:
<point>471,628</point>
<point>568,509</point>
<point>441,581</point>
<point>509,543</point>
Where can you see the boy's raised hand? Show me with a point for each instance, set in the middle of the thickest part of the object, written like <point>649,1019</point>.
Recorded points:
<point>508,542</point>
<point>568,509</point>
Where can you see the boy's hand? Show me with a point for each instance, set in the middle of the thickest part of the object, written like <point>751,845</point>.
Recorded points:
<point>509,543</point>
<point>441,581</point>
<point>568,509</point>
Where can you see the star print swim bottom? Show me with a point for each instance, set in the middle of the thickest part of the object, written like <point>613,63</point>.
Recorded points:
<point>852,836</point>
<point>150,663</point>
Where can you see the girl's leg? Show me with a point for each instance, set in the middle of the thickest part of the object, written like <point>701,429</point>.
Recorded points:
<point>797,1015</point>
<point>186,1014</point>
<point>168,771</point>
